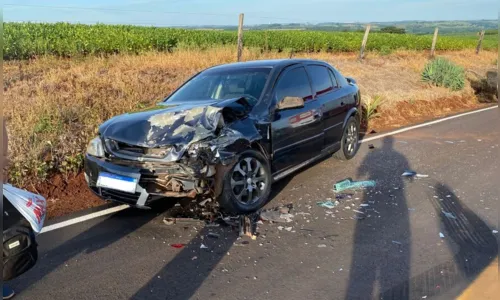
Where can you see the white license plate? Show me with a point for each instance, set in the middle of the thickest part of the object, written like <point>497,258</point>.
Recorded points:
<point>117,182</point>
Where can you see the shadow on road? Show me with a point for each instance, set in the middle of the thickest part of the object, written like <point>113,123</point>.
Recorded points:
<point>183,276</point>
<point>377,262</point>
<point>94,239</point>
<point>466,235</point>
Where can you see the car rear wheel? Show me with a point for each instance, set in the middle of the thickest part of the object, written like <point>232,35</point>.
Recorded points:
<point>247,185</point>
<point>349,144</point>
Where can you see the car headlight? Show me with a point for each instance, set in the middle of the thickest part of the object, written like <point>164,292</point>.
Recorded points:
<point>95,148</point>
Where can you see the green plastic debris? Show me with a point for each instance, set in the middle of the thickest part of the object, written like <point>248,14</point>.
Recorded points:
<point>349,184</point>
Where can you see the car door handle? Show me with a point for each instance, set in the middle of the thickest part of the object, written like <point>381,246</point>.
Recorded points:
<point>342,103</point>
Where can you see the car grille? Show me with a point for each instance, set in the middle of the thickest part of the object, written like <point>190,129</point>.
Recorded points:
<point>136,151</point>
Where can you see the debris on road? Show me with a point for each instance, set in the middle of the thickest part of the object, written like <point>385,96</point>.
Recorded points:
<point>202,246</point>
<point>241,244</point>
<point>169,221</point>
<point>414,174</point>
<point>343,196</point>
<point>321,246</point>
<point>441,235</point>
<point>276,215</point>
<point>494,231</point>
<point>349,184</point>
<point>303,214</point>
<point>397,243</point>
<point>194,258</point>
<point>371,146</point>
<point>248,225</point>
<point>178,246</point>
<point>213,235</point>
<point>364,205</point>
<point>359,212</point>
<point>449,215</point>
<point>288,228</point>
<point>328,204</point>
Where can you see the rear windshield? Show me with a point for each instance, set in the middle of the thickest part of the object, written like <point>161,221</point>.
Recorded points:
<point>224,84</point>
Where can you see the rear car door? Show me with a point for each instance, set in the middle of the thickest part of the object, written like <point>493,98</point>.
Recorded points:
<point>297,134</point>
<point>333,102</point>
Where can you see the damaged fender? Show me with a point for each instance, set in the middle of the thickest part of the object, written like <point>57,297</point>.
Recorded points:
<point>202,140</point>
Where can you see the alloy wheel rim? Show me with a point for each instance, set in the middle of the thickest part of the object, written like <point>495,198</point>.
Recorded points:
<point>248,181</point>
<point>351,139</point>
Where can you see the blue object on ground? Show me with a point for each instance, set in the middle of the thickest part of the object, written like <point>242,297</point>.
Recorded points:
<point>328,204</point>
<point>348,184</point>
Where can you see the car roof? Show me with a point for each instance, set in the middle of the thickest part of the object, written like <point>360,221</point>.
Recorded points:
<point>271,63</point>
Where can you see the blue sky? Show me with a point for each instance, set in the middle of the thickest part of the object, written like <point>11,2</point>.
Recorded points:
<point>225,12</point>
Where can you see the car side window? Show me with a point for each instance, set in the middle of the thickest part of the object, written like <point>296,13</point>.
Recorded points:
<point>294,83</point>
<point>321,81</point>
<point>334,80</point>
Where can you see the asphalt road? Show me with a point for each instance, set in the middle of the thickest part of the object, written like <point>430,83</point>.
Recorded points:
<point>395,252</point>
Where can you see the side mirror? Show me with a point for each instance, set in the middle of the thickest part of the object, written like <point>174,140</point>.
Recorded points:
<point>290,102</point>
<point>351,81</point>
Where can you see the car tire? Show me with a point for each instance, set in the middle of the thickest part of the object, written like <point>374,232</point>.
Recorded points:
<point>246,191</point>
<point>349,144</point>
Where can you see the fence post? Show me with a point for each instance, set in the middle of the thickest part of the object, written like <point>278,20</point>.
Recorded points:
<point>481,37</point>
<point>363,44</point>
<point>240,37</point>
<point>434,41</point>
<point>267,42</point>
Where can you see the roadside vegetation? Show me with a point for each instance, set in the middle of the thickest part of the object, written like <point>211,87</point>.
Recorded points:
<point>30,40</point>
<point>442,72</point>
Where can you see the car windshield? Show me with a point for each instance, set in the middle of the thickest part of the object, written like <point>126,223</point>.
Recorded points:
<point>222,85</point>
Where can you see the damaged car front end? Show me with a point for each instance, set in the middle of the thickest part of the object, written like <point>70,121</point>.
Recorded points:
<point>174,150</point>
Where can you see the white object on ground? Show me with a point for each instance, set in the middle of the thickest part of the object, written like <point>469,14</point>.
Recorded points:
<point>32,206</point>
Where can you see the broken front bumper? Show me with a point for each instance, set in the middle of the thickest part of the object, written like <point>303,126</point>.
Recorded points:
<point>167,181</point>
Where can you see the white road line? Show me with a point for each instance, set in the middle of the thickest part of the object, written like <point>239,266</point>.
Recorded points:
<point>85,218</point>
<point>425,124</point>
<point>122,207</point>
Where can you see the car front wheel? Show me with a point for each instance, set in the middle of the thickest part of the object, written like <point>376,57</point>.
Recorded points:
<point>349,144</point>
<point>247,185</point>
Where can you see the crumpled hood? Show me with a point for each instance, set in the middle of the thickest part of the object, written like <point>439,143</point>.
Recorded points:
<point>172,124</point>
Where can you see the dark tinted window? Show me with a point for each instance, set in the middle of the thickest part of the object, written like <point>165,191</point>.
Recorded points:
<point>294,83</point>
<point>321,80</point>
<point>335,83</point>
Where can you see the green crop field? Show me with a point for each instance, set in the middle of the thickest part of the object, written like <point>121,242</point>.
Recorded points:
<point>26,40</point>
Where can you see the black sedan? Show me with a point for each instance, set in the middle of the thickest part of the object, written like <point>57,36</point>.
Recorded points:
<point>228,133</point>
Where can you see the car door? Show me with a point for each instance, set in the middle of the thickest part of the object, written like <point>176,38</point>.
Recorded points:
<point>325,90</point>
<point>297,134</point>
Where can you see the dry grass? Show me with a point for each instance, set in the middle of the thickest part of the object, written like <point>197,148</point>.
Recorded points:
<point>55,105</point>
